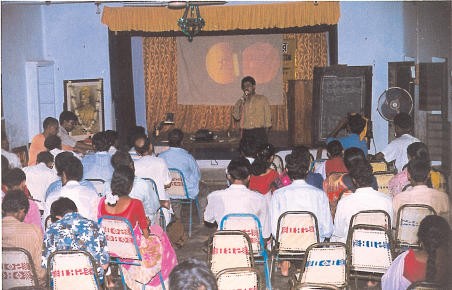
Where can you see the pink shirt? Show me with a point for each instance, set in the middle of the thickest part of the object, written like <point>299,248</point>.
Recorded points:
<point>33,216</point>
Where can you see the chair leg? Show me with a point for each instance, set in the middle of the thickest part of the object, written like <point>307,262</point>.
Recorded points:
<point>162,282</point>
<point>199,211</point>
<point>272,266</point>
<point>267,273</point>
<point>190,220</point>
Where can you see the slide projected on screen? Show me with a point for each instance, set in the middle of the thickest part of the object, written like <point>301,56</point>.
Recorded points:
<point>210,68</point>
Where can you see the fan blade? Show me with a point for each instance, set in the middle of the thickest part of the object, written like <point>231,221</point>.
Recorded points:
<point>183,4</point>
<point>387,113</point>
<point>406,103</point>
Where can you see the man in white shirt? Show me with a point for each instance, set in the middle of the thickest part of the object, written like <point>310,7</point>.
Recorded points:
<point>68,120</point>
<point>397,149</point>
<point>300,196</point>
<point>86,199</point>
<point>13,159</point>
<point>237,198</point>
<point>364,198</point>
<point>40,176</point>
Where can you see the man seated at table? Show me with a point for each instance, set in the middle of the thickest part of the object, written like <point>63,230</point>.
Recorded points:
<point>237,198</point>
<point>68,120</point>
<point>50,126</point>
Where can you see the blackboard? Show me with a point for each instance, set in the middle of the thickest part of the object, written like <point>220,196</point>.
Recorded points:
<point>339,90</point>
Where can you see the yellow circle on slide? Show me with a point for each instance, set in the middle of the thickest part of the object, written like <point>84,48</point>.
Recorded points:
<point>220,63</point>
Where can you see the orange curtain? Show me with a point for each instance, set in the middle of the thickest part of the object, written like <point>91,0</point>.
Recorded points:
<point>228,17</point>
<point>161,84</point>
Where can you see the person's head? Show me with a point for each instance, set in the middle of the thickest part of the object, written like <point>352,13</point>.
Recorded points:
<point>50,126</point>
<point>144,148</point>
<point>5,143</point>
<point>434,233</point>
<point>112,138</point>
<point>175,138</point>
<point>361,173</point>
<point>100,142</point>
<point>264,158</point>
<point>15,179</point>
<point>61,160</point>
<point>134,131</point>
<point>248,146</point>
<point>249,85</point>
<point>334,149</point>
<point>297,165</point>
<point>303,151</point>
<point>356,123</point>
<point>192,274</point>
<point>138,140</point>
<point>46,158</point>
<point>52,142</point>
<point>418,171</point>
<point>5,167</point>
<point>122,180</point>
<point>72,170</point>
<point>239,170</point>
<point>353,155</point>
<point>60,207</point>
<point>68,120</point>
<point>15,203</point>
<point>122,158</point>
<point>403,124</point>
<point>418,150</point>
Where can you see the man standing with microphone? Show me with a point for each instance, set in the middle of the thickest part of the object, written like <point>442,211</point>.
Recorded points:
<point>253,112</point>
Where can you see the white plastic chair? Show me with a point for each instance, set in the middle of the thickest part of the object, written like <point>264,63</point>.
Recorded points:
<point>178,193</point>
<point>239,278</point>
<point>296,231</point>
<point>159,216</point>
<point>229,249</point>
<point>99,185</point>
<point>409,217</point>
<point>250,225</point>
<point>18,269</point>
<point>69,269</point>
<point>371,217</point>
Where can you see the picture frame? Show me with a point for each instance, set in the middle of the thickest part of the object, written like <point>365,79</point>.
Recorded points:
<point>85,98</point>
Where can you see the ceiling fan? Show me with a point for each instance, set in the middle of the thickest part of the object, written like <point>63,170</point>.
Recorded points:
<point>173,4</point>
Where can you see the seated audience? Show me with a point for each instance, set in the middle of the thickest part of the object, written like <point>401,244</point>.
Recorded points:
<point>337,185</point>
<point>364,198</point>
<point>68,121</point>
<point>15,180</point>
<point>335,163</point>
<point>397,149</point>
<point>179,158</point>
<point>119,203</point>
<point>113,141</point>
<point>192,274</point>
<point>40,176</point>
<point>430,263</point>
<point>60,162</point>
<point>418,171</point>
<point>70,230</point>
<point>50,126</point>
<point>98,164</point>
<point>16,233</point>
<point>140,189</point>
<point>13,159</point>
<point>262,176</point>
<point>84,197</point>
<point>314,179</point>
<point>300,196</point>
<point>354,124</point>
<point>237,198</point>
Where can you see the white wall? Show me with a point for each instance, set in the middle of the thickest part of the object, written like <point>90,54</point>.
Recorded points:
<point>22,41</point>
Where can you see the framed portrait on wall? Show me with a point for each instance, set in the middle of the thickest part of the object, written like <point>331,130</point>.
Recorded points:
<point>86,99</point>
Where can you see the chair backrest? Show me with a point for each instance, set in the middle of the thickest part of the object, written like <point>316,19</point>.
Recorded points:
<point>321,258</point>
<point>409,217</point>
<point>278,164</point>
<point>370,248</point>
<point>239,278</point>
<point>99,185</point>
<point>306,286</point>
<point>72,269</point>
<point>153,185</point>
<point>178,188</point>
<point>18,269</point>
<point>371,217</point>
<point>383,181</point>
<point>296,231</point>
<point>423,285</point>
<point>229,249</point>
<point>379,166</point>
<point>121,240</point>
<point>247,223</point>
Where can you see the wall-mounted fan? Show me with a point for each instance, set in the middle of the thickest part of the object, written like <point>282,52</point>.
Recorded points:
<point>393,101</point>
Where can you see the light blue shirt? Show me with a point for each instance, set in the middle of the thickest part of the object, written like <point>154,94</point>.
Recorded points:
<point>180,158</point>
<point>57,185</point>
<point>143,191</point>
<point>97,166</point>
<point>349,141</point>
<point>300,196</point>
